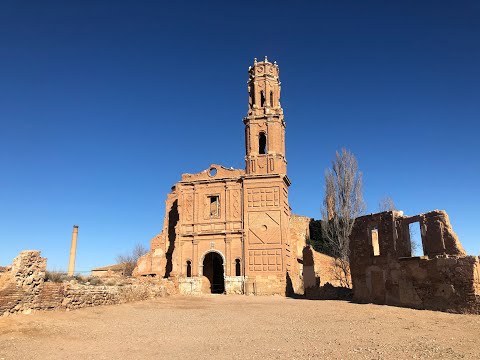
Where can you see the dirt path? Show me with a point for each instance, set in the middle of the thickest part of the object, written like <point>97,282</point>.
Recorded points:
<point>240,327</point>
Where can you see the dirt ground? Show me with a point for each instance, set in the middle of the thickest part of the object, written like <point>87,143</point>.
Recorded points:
<point>240,327</point>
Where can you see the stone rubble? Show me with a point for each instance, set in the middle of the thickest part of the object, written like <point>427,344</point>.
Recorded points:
<point>24,288</point>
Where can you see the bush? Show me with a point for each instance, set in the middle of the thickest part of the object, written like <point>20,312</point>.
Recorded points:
<point>93,280</point>
<point>130,259</point>
<point>56,276</point>
<point>80,278</point>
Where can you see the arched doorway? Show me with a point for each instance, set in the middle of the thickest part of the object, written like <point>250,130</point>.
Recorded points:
<point>213,271</point>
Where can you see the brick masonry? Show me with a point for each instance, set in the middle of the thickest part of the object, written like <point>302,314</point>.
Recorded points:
<point>23,289</point>
<point>385,272</point>
<point>232,224</point>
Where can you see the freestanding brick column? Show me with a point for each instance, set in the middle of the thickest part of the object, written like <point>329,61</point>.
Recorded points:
<point>73,251</point>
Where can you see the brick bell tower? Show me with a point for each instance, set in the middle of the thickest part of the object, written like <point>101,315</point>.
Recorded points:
<point>264,124</point>
<point>266,210</point>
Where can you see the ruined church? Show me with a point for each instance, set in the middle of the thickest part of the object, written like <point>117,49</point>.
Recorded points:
<point>227,230</point>
<point>231,231</point>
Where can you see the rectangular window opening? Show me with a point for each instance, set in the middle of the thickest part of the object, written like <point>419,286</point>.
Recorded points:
<point>375,243</point>
<point>214,205</point>
<point>416,238</point>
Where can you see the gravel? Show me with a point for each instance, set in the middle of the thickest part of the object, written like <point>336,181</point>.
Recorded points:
<point>240,327</point>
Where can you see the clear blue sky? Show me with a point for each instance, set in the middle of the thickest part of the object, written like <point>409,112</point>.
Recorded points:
<point>103,104</point>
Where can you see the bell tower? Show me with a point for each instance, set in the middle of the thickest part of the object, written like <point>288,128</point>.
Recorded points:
<point>264,124</point>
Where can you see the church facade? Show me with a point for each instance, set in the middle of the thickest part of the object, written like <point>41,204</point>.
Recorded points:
<point>227,230</point>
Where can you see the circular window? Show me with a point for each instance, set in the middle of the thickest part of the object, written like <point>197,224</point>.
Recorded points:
<point>212,171</point>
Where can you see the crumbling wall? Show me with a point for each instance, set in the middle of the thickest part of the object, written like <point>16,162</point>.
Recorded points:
<point>327,270</point>
<point>154,262</point>
<point>299,234</point>
<point>311,269</point>
<point>23,283</point>
<point>438,237</point>
<point>160,260</point>
<point>78,296</point>
<point>384,271</point>
<point>319,269</point>
<point>23,289</point>
<point>322,278</point>
<point>310,278</point>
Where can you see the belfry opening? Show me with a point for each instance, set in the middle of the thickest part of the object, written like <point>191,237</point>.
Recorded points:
<point>213,271</point>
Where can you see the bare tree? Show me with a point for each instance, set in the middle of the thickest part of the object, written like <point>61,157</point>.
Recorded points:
<point>415,243</point>
<point>342,204</point>
<point>386,204</point>
<point>129,260</point>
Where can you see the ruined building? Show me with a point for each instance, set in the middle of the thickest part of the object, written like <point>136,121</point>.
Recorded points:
<point>231,231</point>
<point>227,230</point>
<point>385,272</point>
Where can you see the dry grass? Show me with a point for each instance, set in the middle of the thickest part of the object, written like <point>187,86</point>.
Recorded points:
<point>59,277</point>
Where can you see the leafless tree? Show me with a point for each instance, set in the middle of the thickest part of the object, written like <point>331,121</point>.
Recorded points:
<point>130,259</point>
<point>415,244</point>
<point>386,204</point>
<point>342,204</point>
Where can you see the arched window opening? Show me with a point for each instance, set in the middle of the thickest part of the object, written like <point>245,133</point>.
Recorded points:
<point>252,98</point>
<point>262,143</point>
<point>262,99</point>
<point>271,98</point>
<point>238,271</point>
<point>189,268</point>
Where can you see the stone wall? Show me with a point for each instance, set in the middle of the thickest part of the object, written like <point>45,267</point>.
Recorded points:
<point>322,279</point>
<point>21,286</point>
<point>23,289</point>
<point>311,270</point>
<point>234,284</point>
<point>200,285</point>
<point>299,234</point>
<point>78,296</point>
<point>320,269</point>
<point>385,272</point>
<point>190,285</point>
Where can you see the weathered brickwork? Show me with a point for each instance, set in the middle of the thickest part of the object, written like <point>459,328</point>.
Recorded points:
<point>227,230</point>
<point>311,270</point>
<point>23,289</point>
<point>385,272</point>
